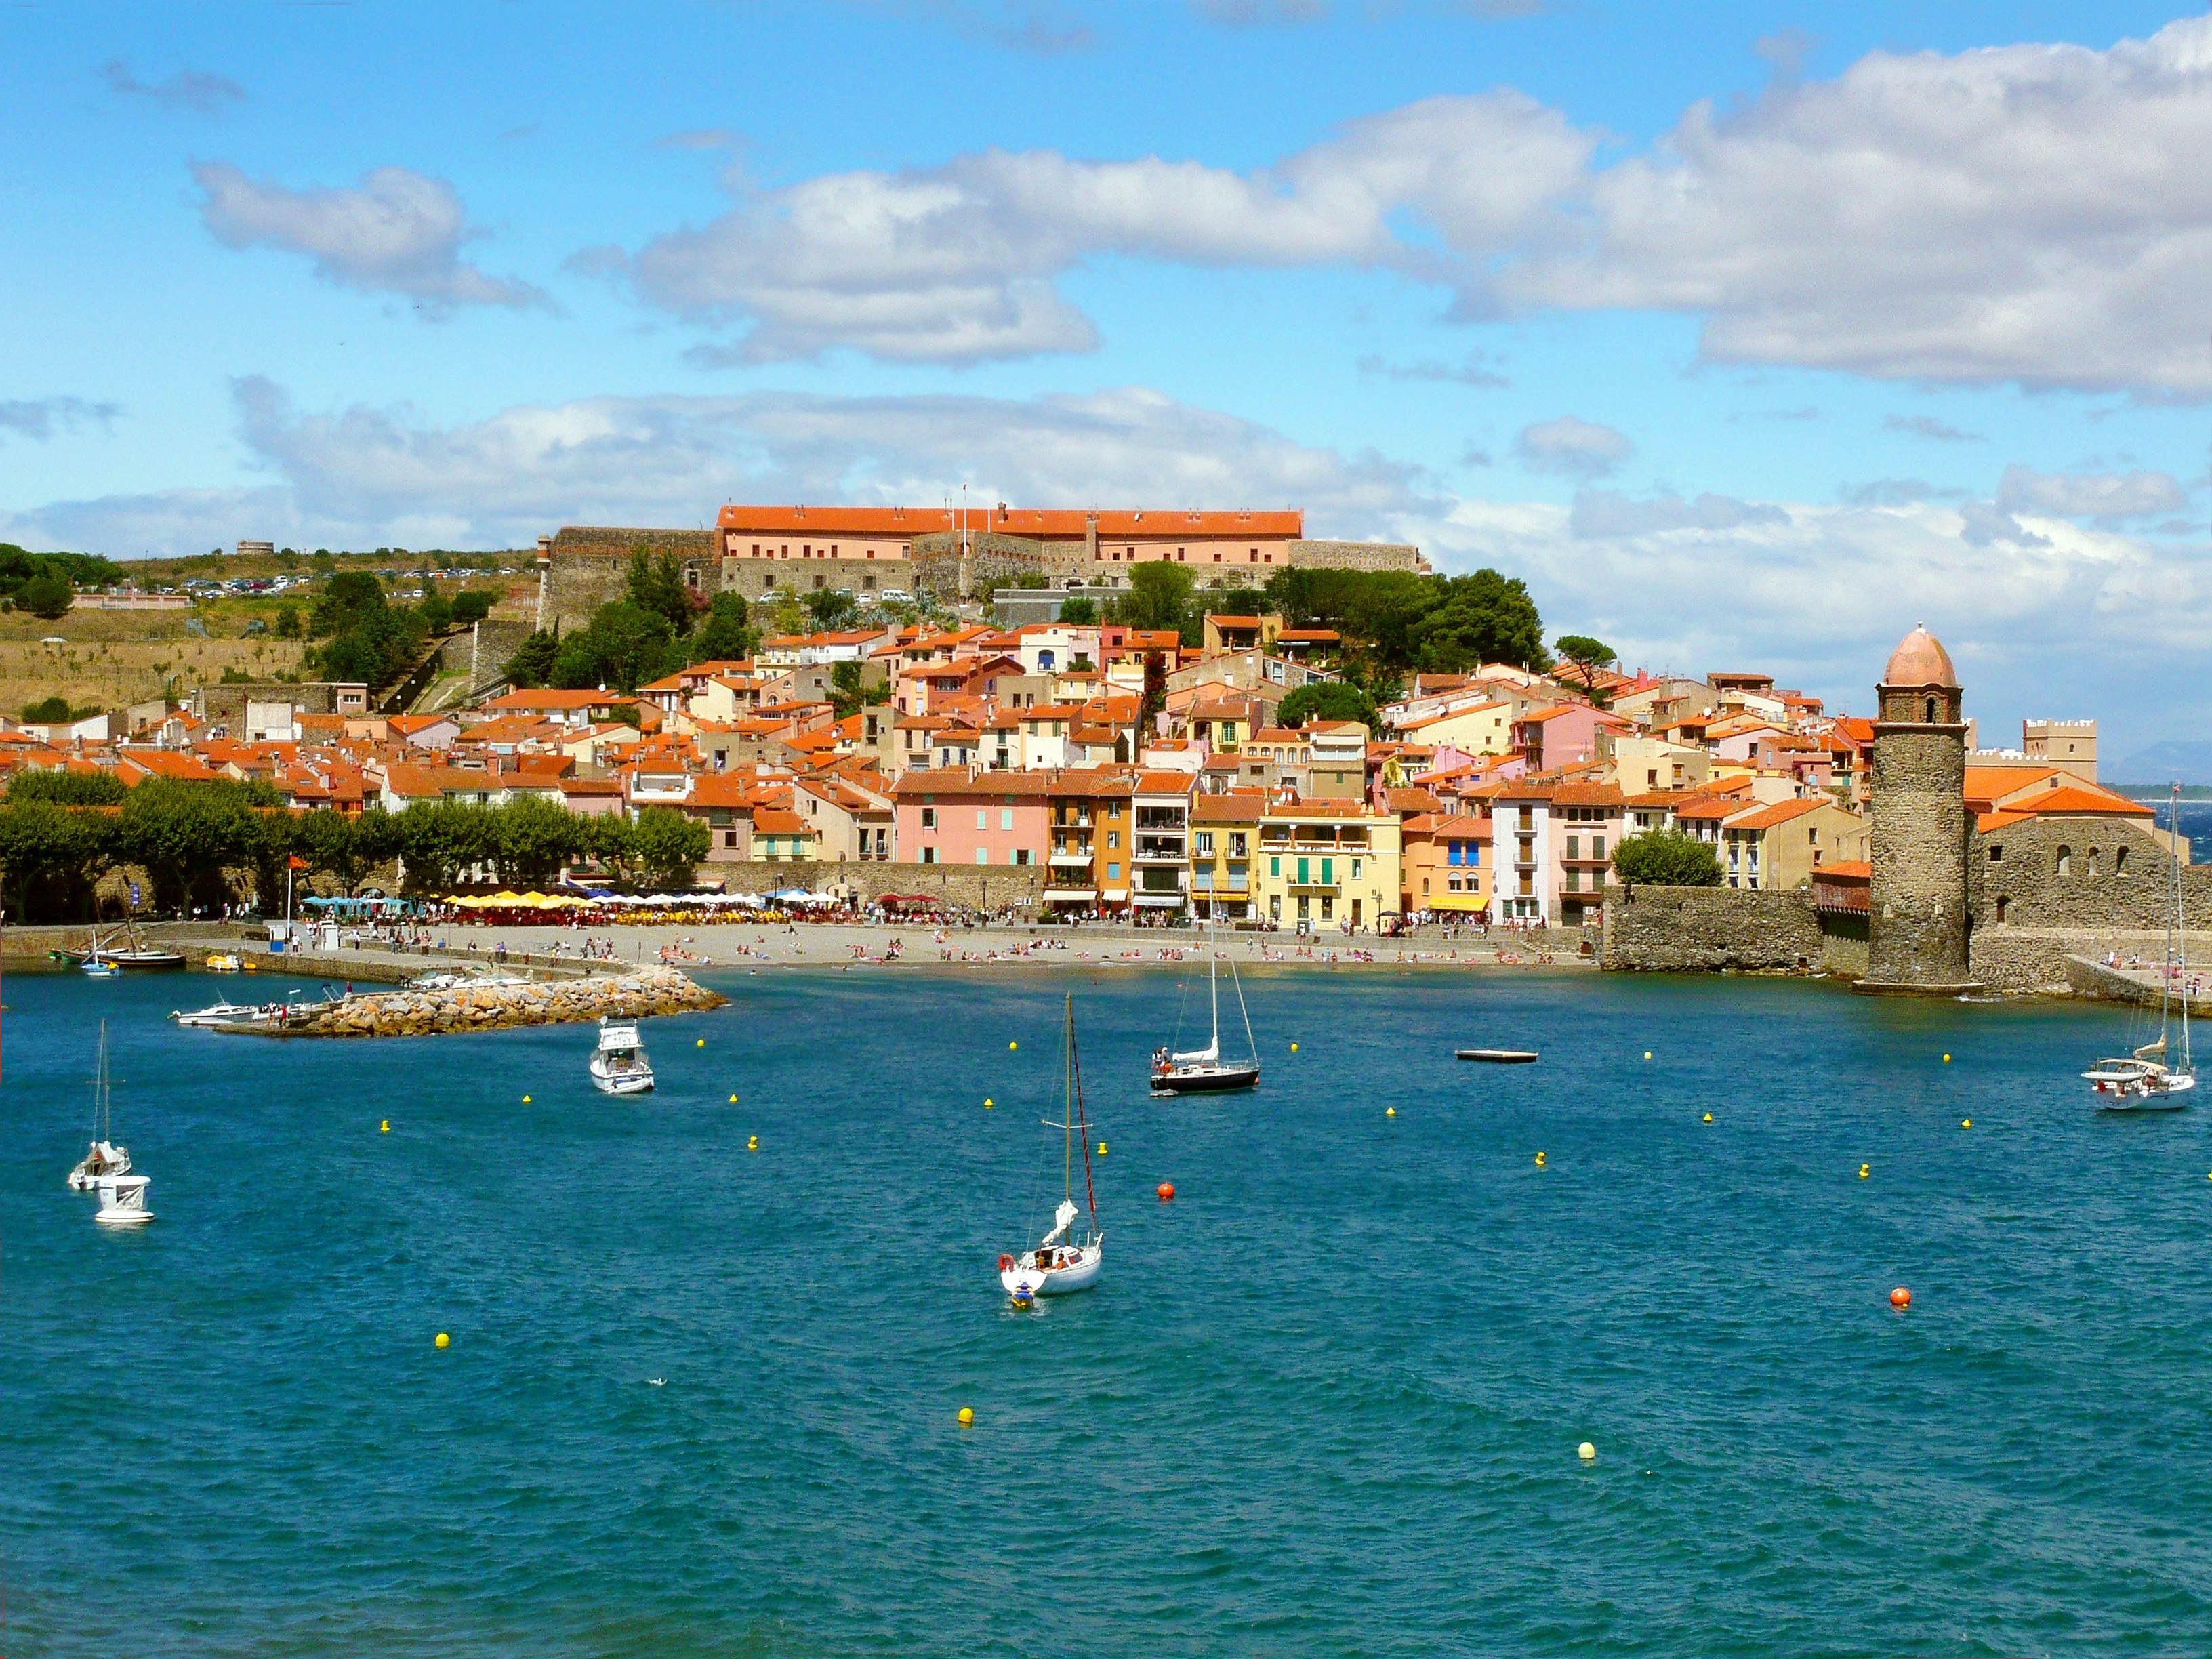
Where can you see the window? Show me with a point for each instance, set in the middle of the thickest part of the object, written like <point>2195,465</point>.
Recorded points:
<point>1205,843</point>
<point>1237,844</point>
<point>1328,872</point>
<point>1021,855</point>
<point>1931,711</point>
<point>1597,847</point>
<point>1355,869</point>
<point>2120,861</point>
<point>1574,846</point>
<point>929,818</point>
<point>929,855</point>
<point>1006,817</point>
<point>982,855</point>
<point>1274,866</point>
<point>2065,860</point>
<point>2003,905</point>
<point>1996,851</point>
<point>982,818</point>
<point>1113,840</point>
<point>1112,872</point>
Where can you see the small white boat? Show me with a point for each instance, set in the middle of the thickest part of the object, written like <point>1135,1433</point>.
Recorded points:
<point>104,1158</point>
<point>220,962</point>
<point>1063,1262</point>
<point>1203,1071</point>
<point>2143,1081</point>
<point>619,1065</point>
<point>123,1200</point>
<point>98,968</point>
<point>217,1013</point>
<point>1500,1056</point>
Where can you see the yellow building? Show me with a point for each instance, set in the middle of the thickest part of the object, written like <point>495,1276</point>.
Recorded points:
<point>1224,836</point>
<point>1323,864</point>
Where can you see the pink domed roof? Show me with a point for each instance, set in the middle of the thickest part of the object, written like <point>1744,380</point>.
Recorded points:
<point>1920,659</point>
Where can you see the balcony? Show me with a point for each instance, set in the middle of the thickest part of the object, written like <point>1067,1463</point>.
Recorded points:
<point>1070,855</point>
<point>1161,849</point>
<point>1205,881</point>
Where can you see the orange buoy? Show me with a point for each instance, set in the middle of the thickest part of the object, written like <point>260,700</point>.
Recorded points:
<point>1166,1190</point>
<point>1900,1298</point>
<point>1005,1262</point>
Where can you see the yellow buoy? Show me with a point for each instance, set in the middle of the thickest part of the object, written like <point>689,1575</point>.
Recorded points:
<point>1540,1160</point>
<point>1709,1118</point>
<point>1647,1054</point>
<point>383,1127</point>
<point>733,1100</point>
<point>1294,1048</point>
<point>525,1100</point>
<point>1965,1123</point>
<point>752,1143</point>
<point>443,1339</point>
<point>1389,1111</point>
<point>1012,1046</point>
<point>967,1416</point>
<point>1946,1059</point>
<point>1587,1452</point>
<point>701,1043</point>
<point>1102,1149</point>
<point>1865,1169</point>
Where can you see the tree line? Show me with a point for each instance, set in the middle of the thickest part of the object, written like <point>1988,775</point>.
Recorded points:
<point>61,833</point>
<point>44,584</point>
<point>660,625</point>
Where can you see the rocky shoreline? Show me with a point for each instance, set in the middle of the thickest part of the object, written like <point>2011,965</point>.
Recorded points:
<point>635,994</point>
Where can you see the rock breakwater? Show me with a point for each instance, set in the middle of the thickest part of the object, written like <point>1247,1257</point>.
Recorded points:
<point>635,994</point>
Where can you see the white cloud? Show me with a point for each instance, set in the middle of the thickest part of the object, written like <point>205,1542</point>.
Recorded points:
<point>364,477</point>
<point>1928,427</point>
<point>1472,370</point>
<point>1572,448</point>
<point>396,232</point>
<point>2105,496</point>
<point>2032,213</point>
<point>196,90</point>
<point>958,262</point>
<point>42,417</point>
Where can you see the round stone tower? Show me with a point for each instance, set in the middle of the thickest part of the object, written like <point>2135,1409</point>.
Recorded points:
<point>1917,937</point>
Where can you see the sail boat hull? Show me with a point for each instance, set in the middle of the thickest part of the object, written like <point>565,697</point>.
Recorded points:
<point>1079,1272</point>
<point>1205,1079</point>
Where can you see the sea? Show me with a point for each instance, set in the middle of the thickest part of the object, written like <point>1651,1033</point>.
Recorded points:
<point>708,1348</point>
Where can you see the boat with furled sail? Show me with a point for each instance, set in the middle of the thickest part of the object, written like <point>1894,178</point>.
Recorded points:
<point>104,1158</point>
<point>1202,1071</point>
<point>2153,1078</point>
<point>1064,1260</point>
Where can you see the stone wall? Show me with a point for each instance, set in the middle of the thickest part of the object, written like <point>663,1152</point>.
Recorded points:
<point>1706,929</point>
<point>482,651</point>
<point>2115,875</point>
<point>1918,850</point>
<point>1356,556</point>
<point>591,561</point>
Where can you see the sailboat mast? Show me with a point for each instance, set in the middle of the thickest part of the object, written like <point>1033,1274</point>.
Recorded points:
<point>1080,1115</point>
<point>1213,976</point>
<point>2180,930</point>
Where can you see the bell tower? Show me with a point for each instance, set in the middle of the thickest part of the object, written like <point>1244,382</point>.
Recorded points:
<point>1918,936</point>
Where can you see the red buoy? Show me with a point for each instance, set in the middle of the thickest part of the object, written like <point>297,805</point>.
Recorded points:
<point>1005,1262</point>
<point>1900,1298</point>
<point>1167,1191</point>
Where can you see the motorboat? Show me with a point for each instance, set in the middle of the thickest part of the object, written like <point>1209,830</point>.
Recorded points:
<point>1202,1071</point>
<point>2143,1080</point>
<point>219,1013</point>
<point>220,962</point>
<point>1063,1261</point>
<point>619,1065</point>
<point>123,1200</point>
<point>98,968</point>
<point>1499,1056</point>
<point>104,1157</point>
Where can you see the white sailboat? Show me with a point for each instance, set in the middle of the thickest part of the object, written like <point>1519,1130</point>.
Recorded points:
<point>618,1065</point>
<point>1063,1260</point>
<point>1201,1070</point>
<point>2143,1081</point>
<point>104,1158</point>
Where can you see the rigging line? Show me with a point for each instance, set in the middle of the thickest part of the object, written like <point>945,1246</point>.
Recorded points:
<point>1075,1079</point>
<point>1237,980</point>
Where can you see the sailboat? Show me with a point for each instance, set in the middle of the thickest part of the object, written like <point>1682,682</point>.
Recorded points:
<point>132,952</point>
<point>1063,1261</point>
<point>618,1065</point>
<point>2143,1081</point>
<point>1201,1071</point>
<point>104,1157</point>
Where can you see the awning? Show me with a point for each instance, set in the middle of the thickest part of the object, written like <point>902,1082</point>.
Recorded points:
<point>1457,901</point>
<point>1116,896</point>
<point>1071,895</point>
<point>1168,901</point>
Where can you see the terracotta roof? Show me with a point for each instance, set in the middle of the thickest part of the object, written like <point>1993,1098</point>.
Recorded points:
<point>1781,812</point>
<point>1054,523</point>
<point>1920,659</point>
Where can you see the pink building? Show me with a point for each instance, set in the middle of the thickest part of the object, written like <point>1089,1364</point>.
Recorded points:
<point>960,816</point>
<point>1564,734</point>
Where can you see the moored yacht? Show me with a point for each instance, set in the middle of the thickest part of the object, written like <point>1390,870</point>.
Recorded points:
<point>619,1065</point>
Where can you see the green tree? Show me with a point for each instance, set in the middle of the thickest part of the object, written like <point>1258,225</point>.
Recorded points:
<point>46,594</point>
<point>831,608</point>
<point>347,601</point>
<point>1326,700</point>
<point>52,856</point>
<point>668,847</point>
<point>322,564</point>
<point>850,691</point>
<point>1589,656</point>
<point>1483,617</point>
<point>1158,597</point>
<point>531,665</point>
<point>658,586</point>
<point>1667,858</point>
<point>537,839</point>
<point>1030,581</point>
<point>727,634</point>
<point>47,711</point>
<point>186,835</point>
<point>1080,611</point>
<point>611,842</point>
<point>625,646</point>
<point>471,606</point>
<point>288,622</point>
<point>67,788</point>
<point>436,610</point>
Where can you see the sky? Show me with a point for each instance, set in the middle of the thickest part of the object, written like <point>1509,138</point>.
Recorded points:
<point>1750,336</point>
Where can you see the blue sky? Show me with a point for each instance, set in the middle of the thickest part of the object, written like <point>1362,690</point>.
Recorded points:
<point>1748,335</point>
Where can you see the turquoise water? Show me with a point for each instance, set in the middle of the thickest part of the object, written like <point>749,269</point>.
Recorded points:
<point>1325,1402</point>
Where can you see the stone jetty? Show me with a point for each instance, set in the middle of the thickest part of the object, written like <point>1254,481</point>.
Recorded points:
<point>635,994</point>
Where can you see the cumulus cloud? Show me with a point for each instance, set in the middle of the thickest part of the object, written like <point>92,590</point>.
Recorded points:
<point>396,232</point>
<point>1601,512</point>
<point>42,417</point>
<point>2106,497</point>
<point>1896,492</point>
<point>2031,213</point>
<point>194,90</point>
<point>1572,448</point>
<point>959,263</point>
<point>380,475</point>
